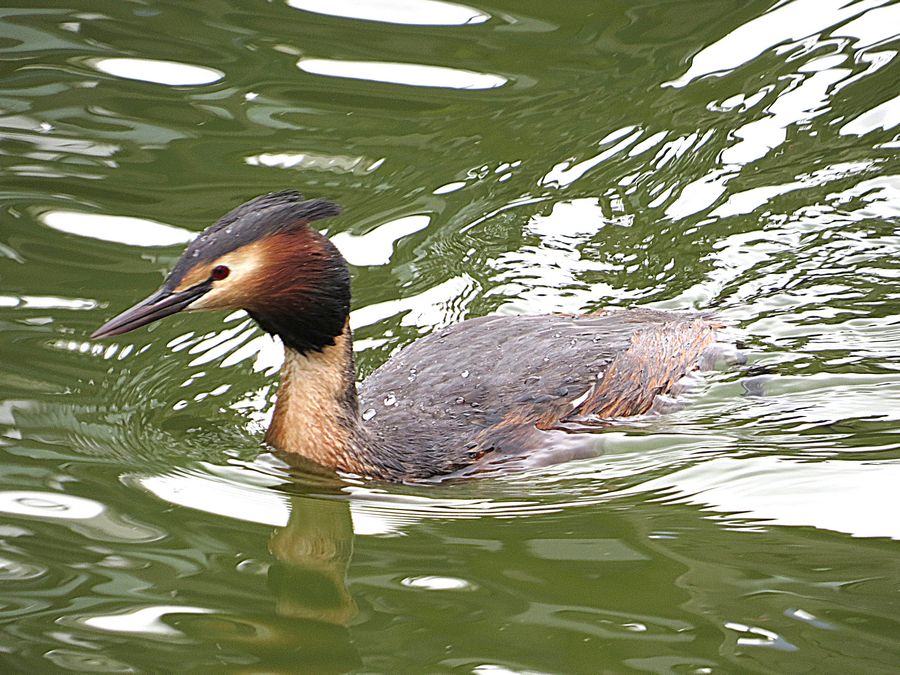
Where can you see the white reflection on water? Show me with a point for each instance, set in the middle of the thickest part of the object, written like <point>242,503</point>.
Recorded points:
<point>798,105</point>
<point>47,140</point>
<point>117,229</point>
<point>88,517</point>
<point>314,161</point>
<point>754,636</point>
<point>46,302</point>
<point>233,345</point>
<point>158,72</point>
<point>435,583</point>
<point>243,491</point>
<point>749,200</point>
<point>221,343</point>
<point>789,21</point>
<point>146,621</point>
<point>223,495</point>
<point>408,12</point>
<point>232,500</point>
<point>377,246</point>
<point>885,116</point>
<point>439,305</point>
<point>531,275</point>
<point>859,498</point>
<point>449,187</point>
<point>412,74</point>
<point>564,174</point>
<point>736,255</point>
<point>50,505</point>
<point>881,196</point>
<point>793,29</point>
<point>875,26</point>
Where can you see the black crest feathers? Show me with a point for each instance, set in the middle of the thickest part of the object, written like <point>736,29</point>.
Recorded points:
<point>260,217</point>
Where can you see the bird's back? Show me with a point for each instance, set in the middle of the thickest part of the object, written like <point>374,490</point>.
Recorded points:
<point>481,386</point>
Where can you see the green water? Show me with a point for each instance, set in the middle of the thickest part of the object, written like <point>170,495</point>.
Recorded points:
<point>735,156</point>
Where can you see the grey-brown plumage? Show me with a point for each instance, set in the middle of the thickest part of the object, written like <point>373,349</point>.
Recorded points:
<point>482,387</point>
<point>468,394</point>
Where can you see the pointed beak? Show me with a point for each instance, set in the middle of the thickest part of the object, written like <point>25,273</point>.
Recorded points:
<point>162,303</point>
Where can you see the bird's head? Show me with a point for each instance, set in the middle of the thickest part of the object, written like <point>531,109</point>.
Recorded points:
<point>265,258</point>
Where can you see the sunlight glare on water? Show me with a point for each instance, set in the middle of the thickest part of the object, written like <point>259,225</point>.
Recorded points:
<point>734,157</point>
<point>117,229</point>
<point>160,72</point>
<point>412,74</point>
<point>416,12</point>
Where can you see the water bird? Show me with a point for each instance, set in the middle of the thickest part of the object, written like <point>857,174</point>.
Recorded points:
<point>466,396</point>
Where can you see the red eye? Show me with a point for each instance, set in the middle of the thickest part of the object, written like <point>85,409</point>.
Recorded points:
<point>219,272</point>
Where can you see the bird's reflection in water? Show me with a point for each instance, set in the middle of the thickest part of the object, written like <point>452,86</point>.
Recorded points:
<point>308,580</point>
<point>312,553</point>
<point>308,630</point>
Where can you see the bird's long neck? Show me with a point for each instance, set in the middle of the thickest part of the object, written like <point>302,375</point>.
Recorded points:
<point>317,414</point>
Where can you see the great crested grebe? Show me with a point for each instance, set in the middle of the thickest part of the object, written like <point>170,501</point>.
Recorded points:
<point>464,395</point>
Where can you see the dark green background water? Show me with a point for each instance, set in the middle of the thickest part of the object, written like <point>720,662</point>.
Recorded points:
<point>729,155</point>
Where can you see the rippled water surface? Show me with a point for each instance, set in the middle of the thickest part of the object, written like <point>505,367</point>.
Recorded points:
<point>510,157</point>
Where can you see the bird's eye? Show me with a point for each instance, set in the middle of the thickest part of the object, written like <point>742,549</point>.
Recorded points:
<point>219,272</point>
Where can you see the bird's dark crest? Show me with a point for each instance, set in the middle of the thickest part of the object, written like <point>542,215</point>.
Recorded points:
<point>263,216</point>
